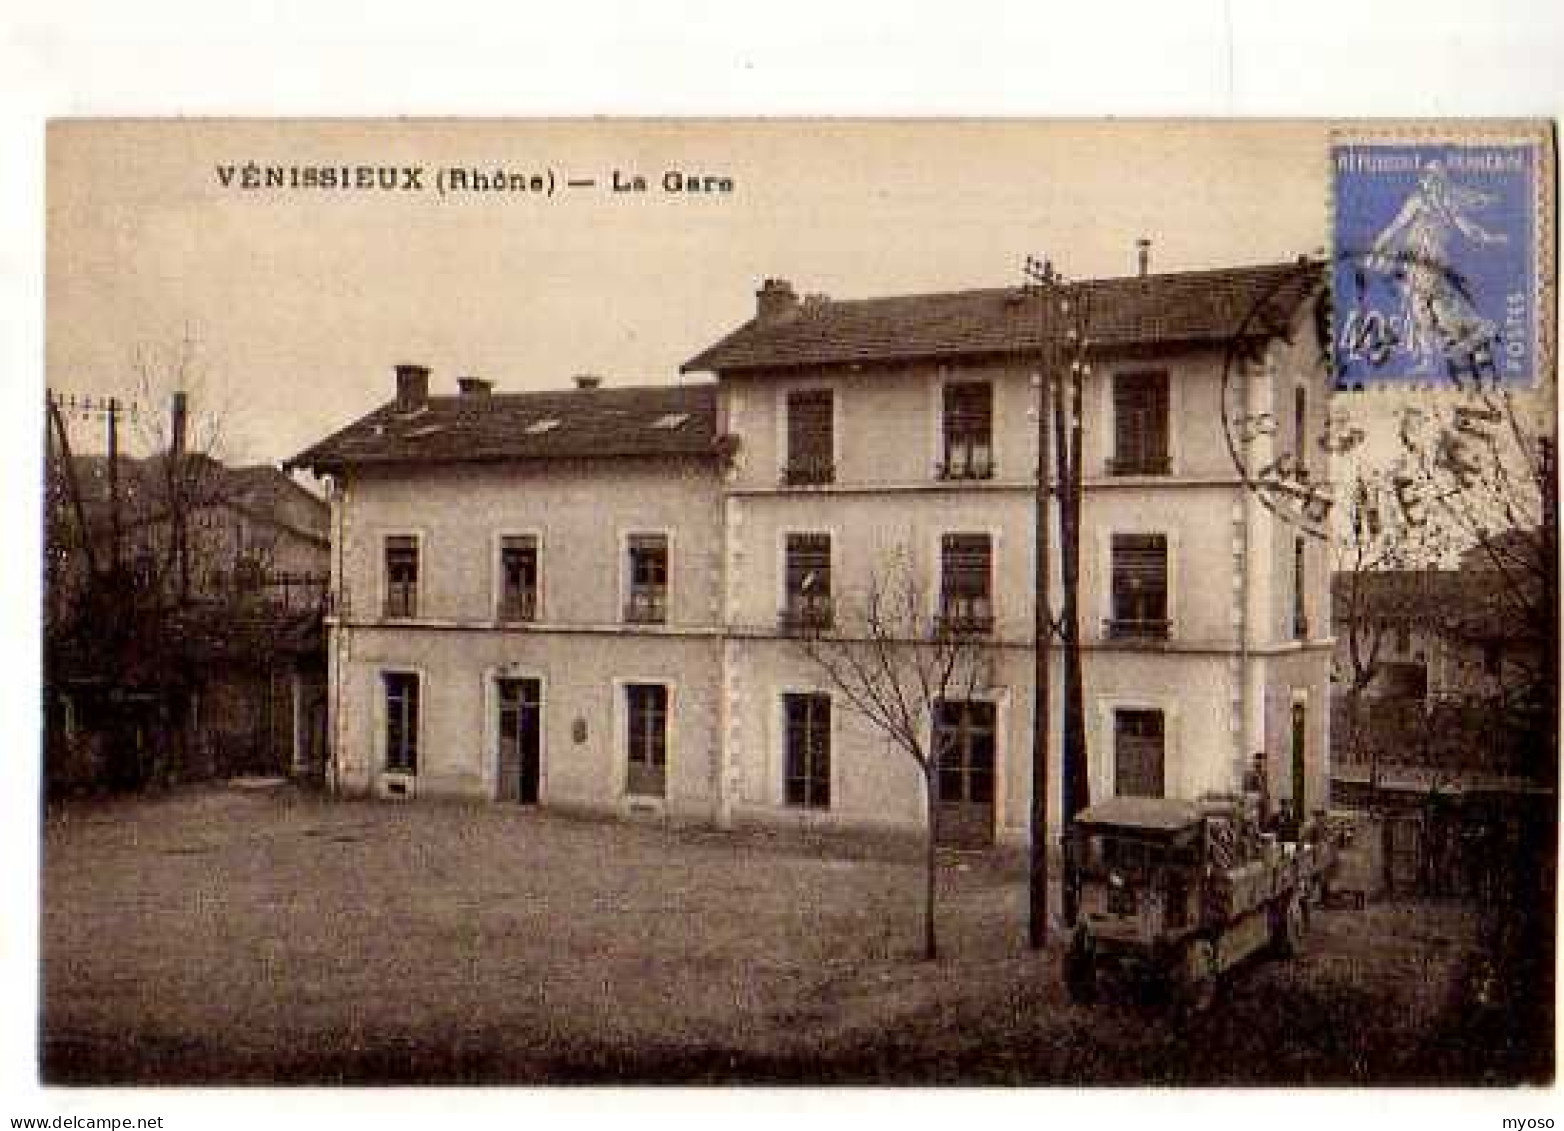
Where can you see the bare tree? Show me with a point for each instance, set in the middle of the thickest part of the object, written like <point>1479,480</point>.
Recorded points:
<point>1373,545</point>
<point>894,658</point>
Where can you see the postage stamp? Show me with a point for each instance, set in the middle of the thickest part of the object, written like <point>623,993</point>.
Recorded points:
<point>1435,274</point>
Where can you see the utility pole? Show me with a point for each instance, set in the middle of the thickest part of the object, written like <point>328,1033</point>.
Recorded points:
<point>1074,781</point>
<point>1042,281</point>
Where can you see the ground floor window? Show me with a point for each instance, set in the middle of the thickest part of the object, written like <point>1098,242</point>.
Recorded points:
<point>401,722</point>
<point>807,725</point>
<point>646,712</point>
<point>1139,754</point>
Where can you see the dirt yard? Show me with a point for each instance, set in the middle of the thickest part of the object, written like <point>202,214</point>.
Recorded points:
<point>231,935</point>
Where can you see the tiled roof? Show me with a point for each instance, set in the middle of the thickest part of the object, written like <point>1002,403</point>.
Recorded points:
<point>1181,307</point>
<point>262,490</point>
<point>660,420</point>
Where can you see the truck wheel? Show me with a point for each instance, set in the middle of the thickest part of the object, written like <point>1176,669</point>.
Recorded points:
<point>1080,970</point>
<point>1198,984</point>
<point>1287,925</point>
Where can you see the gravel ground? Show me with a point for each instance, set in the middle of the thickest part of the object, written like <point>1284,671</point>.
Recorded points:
<point>264,936</point>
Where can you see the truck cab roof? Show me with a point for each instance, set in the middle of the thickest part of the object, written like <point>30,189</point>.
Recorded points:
<point>1141,816</point>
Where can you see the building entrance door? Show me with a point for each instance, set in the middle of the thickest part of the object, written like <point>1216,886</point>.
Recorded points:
<point>964,748</point>
<point>521,747</point>
<point>1300,733</point>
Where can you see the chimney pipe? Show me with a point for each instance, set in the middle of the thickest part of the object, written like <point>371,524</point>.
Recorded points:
<point>774,301</point>
<point>178,413</point>
<point>474,386</point>
<point>588,381</point>
<point>412,387</point>
<point>1143,252</point>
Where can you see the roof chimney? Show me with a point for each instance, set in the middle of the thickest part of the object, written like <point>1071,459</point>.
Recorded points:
<point>474,386</point>
<point>774,301</point>
<point>412,387</point>
<point>588,381</point>
<point>1143,253</point>
<point>178,412</point>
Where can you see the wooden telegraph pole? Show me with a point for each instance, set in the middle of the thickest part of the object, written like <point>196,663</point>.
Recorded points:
<point>1041,281</point>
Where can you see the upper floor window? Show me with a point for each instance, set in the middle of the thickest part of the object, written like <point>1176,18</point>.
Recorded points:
<point>1140,586</point>
<point>966,590</point>
<point>401,722</point>
<point>518,578</point>
<point>1300,420</point>
<point>647,597</point>
<point>807,581</point>
<point>401,575</point>
<point>968,431</point>
<point>810,437</point>
<point>1140,424</point>
<point>1300,614</point>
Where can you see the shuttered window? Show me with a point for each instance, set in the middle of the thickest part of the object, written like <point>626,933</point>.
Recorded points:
<point>401,576</point>
<point>807,567</point>
<point>1139,756</point>
<point>1140,586</point>
<point>969,430</point>
<point>1140,424</point>
<point>966,603</point>
<point>401,722</point>
<point>810,437</point>
<point>807,725</point>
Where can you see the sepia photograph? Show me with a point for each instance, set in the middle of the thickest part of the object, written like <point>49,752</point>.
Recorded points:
<point>1057,603</point>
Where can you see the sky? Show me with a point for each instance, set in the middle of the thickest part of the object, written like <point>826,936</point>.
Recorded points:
<point>299,302</point>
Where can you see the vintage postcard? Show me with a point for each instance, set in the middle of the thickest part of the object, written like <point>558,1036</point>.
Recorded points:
<point>825,602</point>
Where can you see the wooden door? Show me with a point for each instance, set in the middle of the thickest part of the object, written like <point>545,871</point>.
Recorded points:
<point>965,751</point>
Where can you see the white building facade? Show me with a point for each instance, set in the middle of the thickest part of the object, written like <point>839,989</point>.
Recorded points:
<point>589,599</point>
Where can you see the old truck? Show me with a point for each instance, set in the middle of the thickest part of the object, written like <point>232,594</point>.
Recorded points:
<point>1185,890</point>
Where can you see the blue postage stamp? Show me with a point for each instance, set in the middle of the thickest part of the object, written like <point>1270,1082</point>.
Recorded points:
<point>1434,275</point>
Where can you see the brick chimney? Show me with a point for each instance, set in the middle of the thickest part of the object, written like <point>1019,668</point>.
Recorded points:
<point>474,386</point>
<point>1143,255</point>
<point>774,301</point>
<point>588,381</point>
<point>412,387</point>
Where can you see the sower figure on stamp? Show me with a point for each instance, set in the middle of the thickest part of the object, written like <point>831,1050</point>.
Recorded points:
<point>1437,315</point>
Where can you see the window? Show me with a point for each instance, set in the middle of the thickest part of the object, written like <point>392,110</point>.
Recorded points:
<point>1493,657</point>
<point>647,601</point>
<point>646,713</point>
<point>1300,616</point>
<point>810,432</point>
<point>969,431</point>
<point>966,604</point>
<point>518,578</point>
<point>964,750</point>
<point>1403,637</point>
<point>402,576</point>
<point>1140,586</point>
<point>401,722</point>
<point>807,580</point>
<point>1139,756</point>
<point>1300,426</point>
<point>1140,424</point>
<point>807,726</point>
